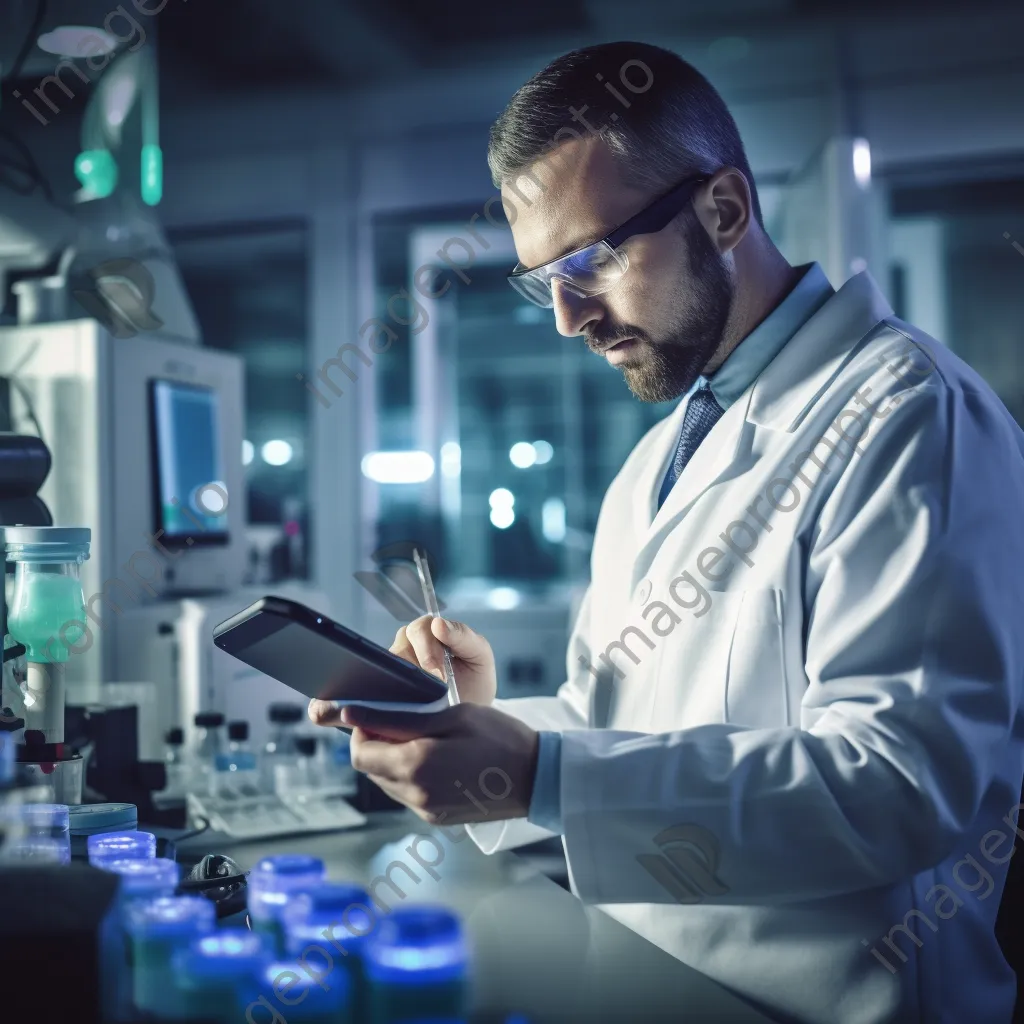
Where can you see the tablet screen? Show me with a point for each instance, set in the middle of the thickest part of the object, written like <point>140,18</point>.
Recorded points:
<point>317,666</point>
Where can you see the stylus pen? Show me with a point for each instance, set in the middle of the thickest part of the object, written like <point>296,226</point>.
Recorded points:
<point>430,599</point>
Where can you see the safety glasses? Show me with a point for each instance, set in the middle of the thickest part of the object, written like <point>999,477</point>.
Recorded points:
<point>595,267</point>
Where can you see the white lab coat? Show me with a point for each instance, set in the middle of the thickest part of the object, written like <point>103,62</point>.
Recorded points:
<point>840,725</point>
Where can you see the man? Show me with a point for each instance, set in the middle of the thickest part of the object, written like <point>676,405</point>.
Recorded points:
<point>788,747</point>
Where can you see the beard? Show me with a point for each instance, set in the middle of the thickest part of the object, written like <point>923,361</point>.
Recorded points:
<point>666,368</point>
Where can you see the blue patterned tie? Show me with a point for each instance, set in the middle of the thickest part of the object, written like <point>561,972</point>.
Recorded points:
<point>702,413</point>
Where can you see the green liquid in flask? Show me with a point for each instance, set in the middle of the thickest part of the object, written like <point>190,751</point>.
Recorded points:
<point>44,604</point>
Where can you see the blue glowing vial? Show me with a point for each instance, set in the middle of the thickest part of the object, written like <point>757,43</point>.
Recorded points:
<point>332,922</point>
<point>416,964</point>
<point>144,879</point>
<point>40,832</point>
<point>273,883</point>
<point>158,929</point>
<point>309,990</point>
<point>215,971</point>
<point>107,846</point>
<point>139,880</point>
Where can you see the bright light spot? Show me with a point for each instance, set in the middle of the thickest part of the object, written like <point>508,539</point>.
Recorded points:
<point>276,453</point>
<point>398,467</point>
<point>857,264</point>
<point>503,598</point>
<point>451,459</point>
<point>502,498</point>
<point>522,455</point>
<point>862,162</point>
<point>77,41</point>
<point>544,452</point>
<point>248,451</point>
<point>552,519</point>
<point>212,498</point>
<point>502,517</point>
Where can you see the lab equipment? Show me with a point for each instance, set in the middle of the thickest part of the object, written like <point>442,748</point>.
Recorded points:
<point>313,998</point>
<point>175,764</point>
<point>295,777</point>
<point>273,883</point>
<point>322,659</point>
<point>36,832</point>
<point>102,467</point>
<point>238,742</point>
<point>190,496</point>
<point>430,601</point>
<point>269,815</point>
<point>138,880</point>
<point>215,971</point>
<point>34,849</point>
<point>237,773</point>
<point>209,744</point>
<point>342,915</point>
<point>284,717</point>
<point>47,617</point>
<point>143,878</point>
<point>417,965</point>
<point>158,929</point>
<point>120,846</point>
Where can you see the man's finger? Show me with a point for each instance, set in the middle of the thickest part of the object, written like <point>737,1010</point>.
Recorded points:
<point>323,712</point>
<point>464,643</point>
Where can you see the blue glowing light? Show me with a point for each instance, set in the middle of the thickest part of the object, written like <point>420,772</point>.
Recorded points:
<point>120,846</point>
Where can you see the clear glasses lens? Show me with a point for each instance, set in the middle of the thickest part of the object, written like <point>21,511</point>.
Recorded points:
<point>588,272</point>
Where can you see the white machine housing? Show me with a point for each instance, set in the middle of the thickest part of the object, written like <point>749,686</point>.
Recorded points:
<point>89,392</point>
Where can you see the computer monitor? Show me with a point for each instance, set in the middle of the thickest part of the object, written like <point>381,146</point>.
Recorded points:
<point>190,495</point>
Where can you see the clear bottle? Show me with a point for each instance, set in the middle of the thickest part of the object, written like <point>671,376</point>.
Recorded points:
<point>280,748</point>
<point>209,743</point>
<point>175,763</point>
<point>307,767</point>
<point>237,769</point>
<point>238,739</point>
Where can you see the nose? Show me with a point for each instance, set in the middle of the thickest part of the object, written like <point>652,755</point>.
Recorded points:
<point>573,311</point>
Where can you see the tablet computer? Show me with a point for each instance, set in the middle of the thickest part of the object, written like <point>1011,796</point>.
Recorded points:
<point>322,659</point>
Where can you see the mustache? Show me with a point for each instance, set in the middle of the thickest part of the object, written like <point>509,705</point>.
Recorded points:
<point>599,342</point>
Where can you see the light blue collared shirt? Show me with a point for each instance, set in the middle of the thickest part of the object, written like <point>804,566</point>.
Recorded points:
<point>728,382</point>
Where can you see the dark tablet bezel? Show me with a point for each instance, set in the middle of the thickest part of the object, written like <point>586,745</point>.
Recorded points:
<point>269,614</point>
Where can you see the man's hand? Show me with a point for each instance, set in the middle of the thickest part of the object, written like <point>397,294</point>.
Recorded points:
<point>465,764</point>
<point>420,642</point>
<point>472,658</point>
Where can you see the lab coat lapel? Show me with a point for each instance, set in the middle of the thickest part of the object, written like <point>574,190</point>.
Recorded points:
<point>707,464</point>
<point>779,398</point>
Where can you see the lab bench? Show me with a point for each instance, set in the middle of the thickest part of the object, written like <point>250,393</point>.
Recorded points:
<point>538,953</point>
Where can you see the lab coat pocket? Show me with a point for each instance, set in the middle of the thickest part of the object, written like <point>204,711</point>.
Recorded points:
<point>755,686</point>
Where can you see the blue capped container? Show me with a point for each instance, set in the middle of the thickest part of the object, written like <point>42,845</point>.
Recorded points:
<point>138,880</point>
<point>417,964</point>
<point>288,992</point>
<point>339,918</point>
<point>273,883</point>
<point>214,971</point>
<point>34,850</point>
<point>144,879</point>
<point>157,930</point>
<point>110,846</point>
<point>38,832</point>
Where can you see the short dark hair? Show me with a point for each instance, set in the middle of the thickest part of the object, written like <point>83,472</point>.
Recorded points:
<point>664,121</point>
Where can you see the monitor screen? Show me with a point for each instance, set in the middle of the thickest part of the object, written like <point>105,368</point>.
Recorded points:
<point>190,494</point>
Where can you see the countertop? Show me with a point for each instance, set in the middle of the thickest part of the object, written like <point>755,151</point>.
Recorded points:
<point>537,951</point>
